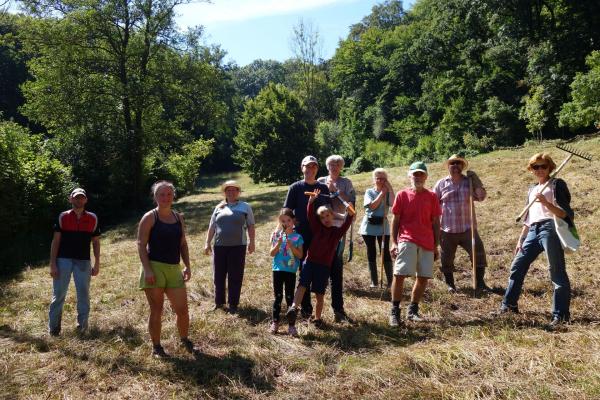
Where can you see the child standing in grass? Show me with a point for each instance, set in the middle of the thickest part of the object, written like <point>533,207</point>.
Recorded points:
<point>286,250</point>
<point>315,271</point>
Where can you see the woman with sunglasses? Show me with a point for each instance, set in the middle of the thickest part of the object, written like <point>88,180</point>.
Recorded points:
<point>539,235</point>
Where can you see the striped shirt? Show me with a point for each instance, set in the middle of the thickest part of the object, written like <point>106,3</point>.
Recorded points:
<point>454,199</point>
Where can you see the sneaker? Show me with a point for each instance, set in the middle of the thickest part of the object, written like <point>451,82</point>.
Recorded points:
<point>54,332</point>
<point>233,310</point>
<point>318,323</point>
<point>292,331</point>
<point>159,352</point>
<point>341,316</point>
<point>187,344</point>
<point>291,315</point>
<point>412,313</point>
<point>451,289</point>
<point>218,307</point>
<point>504,309</point>
<point>395,317</point>
<point>274,327</point>
<point>557,321</point>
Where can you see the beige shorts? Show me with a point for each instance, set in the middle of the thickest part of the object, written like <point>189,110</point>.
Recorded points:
<point>413,260</point>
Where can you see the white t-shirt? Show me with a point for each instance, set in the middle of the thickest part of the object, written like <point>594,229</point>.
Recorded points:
<point>538,212</point>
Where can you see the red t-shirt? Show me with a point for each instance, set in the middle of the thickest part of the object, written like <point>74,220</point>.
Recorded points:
<point>416,211</point>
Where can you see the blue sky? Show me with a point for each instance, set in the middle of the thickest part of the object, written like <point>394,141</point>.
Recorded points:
<point>253,29</point>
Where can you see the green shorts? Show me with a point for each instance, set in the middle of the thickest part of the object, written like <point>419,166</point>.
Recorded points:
<point>167,276</point>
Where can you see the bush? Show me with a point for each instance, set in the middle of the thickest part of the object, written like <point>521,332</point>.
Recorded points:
<point>36,187</point>
<point>361,164</point>
<point>382,154</point>
<point>184,168</point>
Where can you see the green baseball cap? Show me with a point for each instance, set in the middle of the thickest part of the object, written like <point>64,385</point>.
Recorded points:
<point>417,166</point>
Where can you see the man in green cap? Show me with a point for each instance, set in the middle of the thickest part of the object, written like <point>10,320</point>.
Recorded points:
<point>415,240</point>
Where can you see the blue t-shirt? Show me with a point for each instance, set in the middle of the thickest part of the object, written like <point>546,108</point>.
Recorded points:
<point>284,260</point>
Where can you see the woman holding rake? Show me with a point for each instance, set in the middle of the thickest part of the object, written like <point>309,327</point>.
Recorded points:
<point>539,235</point>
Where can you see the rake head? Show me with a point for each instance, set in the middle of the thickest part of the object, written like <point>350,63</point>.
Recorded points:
<point>574,151</point>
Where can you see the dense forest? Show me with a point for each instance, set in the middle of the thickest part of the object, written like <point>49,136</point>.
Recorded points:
<point>112,95</point>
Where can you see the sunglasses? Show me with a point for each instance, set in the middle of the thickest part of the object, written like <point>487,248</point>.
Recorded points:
<point>455,163</point>
<point>539,166</point>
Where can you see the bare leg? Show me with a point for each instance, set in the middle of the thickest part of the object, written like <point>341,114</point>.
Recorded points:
<point>179,304</point>
<point>298,296</point>
<point>418,289</point>
<point>156,299</point>
<point>397,285</point>
<point>319,305</point>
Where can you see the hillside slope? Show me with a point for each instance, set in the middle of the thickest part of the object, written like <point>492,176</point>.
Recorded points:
<point>459,352</point>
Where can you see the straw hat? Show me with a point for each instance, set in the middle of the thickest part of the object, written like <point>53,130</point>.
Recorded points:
<point>456,157</point>
<point>227,184</point>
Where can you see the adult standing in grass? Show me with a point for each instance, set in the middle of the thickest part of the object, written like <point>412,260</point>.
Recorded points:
<point>297,201</point>
<point>415,240</point>
<point>373,228</point>
<point>539,235</point>
<point>162,245</point>
<point>70,255</point>
<point>230,223</point>
<point>454,192</point>
<point>342,186</point>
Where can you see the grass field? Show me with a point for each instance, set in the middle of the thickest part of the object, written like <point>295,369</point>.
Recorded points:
<point>459,352</point>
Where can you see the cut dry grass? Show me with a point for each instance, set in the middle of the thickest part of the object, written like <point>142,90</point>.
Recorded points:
<point>460,352</point>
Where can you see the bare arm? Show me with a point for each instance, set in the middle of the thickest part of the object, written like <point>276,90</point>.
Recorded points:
<point>436,237</point>
<point>251,236</point>
<point>185,252</point>
<point>275,247</point>
<point>142,242</point>
<point>559,212</point>
<point>209,238</point>
<point>394,238</point>
<point>297,251</point>
<point>53,254</point>
<point>96,249</point>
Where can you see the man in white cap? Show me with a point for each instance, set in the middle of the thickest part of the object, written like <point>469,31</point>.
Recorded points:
<point>415,240</point>
<point>454,192</point>
<point>74,230</point>
<point>298,201</point>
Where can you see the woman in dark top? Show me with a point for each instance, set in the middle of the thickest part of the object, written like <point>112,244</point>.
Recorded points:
<point>161,245</point>
<point>539,235</point>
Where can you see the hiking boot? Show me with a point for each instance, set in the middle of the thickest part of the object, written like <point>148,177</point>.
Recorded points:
<point>291,315</point>
<point>54,332</point>
<point>318,323</point>
<point>292,331</point>
<point>504,309</point>
<point>159,352</point>
<point>187,344</point>
<point>233,310</point>
<point>481,286</point>
<point>274,327</point>
<point>218,307</point>
<point>557,321</point>
<point>341,316</point>
<point>412,313</point>
<point>395,317</point>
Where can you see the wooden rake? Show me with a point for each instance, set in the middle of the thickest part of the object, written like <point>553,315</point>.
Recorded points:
<point>572,152</point>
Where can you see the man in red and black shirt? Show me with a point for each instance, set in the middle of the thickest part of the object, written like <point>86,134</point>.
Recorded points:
<point>70,255</point>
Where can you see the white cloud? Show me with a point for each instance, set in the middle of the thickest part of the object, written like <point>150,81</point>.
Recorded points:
<point>240,10</point>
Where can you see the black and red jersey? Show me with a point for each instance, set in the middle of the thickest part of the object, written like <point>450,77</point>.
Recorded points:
<point>76,234</point>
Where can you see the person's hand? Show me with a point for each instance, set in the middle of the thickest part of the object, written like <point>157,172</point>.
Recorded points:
<point>479,193</point>
<point>313,195</point>
<point>149,278</point>
<point>436,253</point>
<point>96,268</point>
<point>542,199</point>
<point>394,250</point>
<point>54,271</point>
<point>518,248</point>
<point>385,189</point>
<point>187,274</point>
<point>207,249</point>
<point>331,185</point>
<point>250,247</point>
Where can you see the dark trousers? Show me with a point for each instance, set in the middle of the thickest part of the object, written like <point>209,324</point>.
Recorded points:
<point>372,249</point>
<point>228,264</point>
<point>337,279</point>
<point>305,304</point>
<point>282,279</point>
<point>449,242</point>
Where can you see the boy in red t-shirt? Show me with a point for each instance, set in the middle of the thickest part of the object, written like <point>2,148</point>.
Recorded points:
<point>415,239</point>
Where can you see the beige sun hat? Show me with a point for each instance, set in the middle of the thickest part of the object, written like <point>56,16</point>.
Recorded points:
<point>230,183</point>
<point>456,157</point>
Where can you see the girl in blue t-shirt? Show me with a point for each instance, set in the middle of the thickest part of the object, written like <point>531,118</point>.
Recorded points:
<point>286,250</point>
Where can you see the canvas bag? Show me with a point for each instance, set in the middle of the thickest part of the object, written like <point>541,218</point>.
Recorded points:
<point>569,238</point>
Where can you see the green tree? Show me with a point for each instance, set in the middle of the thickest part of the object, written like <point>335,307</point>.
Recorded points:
<point>274,133</point>
<point>583,110</point>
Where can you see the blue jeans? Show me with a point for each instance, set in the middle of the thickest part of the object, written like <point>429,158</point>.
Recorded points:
<point>541,237</point>
<point>82,272</point>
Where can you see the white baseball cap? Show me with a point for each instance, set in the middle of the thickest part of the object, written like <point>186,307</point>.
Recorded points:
<point>309,160</point>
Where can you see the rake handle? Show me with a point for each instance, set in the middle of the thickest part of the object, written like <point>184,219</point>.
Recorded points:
<point>552,175</point>
<point>348,206</point>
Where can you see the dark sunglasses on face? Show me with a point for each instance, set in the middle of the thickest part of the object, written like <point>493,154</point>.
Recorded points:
<point>455,163</point>
<point>539,166</point>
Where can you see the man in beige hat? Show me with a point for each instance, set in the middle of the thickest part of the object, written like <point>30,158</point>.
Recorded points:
<point>454,193</point>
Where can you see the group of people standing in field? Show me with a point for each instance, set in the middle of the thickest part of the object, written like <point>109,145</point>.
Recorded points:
<point>311,237</point>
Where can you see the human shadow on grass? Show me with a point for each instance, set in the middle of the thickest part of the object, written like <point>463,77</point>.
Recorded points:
<point>253,315</point>
<point>125,334</point>
<point>201,369</point>
<point>382,294</point>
